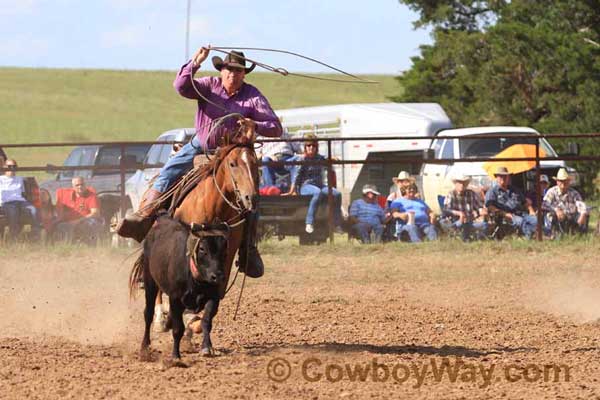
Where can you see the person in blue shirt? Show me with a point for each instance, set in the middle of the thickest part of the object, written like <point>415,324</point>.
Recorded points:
<point>413,216</point>
<point>309,181</point>
<point>367,216</point>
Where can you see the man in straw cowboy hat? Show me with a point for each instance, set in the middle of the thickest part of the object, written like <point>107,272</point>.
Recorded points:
<point>463,210</point>
<point>367,216</point>
<point>216,96</point>
<point>566,204</point>
<point>401,183</point>
<point>508,201</point>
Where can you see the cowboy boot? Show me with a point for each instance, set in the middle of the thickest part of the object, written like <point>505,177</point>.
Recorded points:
<point>138,224</point>
<point>250,261</point>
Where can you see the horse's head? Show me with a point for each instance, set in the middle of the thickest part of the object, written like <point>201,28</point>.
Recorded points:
<point>238,175</point>
<point>208,244</point>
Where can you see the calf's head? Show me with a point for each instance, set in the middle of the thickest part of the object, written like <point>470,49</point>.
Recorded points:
<point>208,246</point>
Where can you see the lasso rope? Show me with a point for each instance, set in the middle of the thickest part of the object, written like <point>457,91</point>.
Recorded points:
<point>284,72</point>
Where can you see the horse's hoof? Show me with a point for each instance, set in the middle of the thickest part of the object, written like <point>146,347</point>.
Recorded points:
<point>186,345</point>
<point>145,355</point>
<point>178,363</point>
<point>207,352</point>
<point>175,362</point>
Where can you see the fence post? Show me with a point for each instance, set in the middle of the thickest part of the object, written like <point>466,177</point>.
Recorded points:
<point>122,205</point>
<point>329,191</point>
<point>538,192</point>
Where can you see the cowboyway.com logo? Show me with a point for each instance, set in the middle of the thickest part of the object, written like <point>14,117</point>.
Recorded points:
<point>416,374</point>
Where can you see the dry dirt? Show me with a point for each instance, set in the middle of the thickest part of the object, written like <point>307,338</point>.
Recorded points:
<point>448,320</point>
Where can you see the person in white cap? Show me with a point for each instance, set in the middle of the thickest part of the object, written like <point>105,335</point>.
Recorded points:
<point>566,204</point>
<point>510,203</point>
<point>462,210</point>
<point>367,217</point>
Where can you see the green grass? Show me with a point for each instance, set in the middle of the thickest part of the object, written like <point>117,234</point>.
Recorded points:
<point>54,105</point>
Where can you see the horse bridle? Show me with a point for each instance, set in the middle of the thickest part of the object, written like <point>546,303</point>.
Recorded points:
<point>239,206</point>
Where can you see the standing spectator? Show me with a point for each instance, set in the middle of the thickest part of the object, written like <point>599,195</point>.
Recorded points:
<point>78,213</point>
<point>462,208</point>
<point>566,205</point>
<point>273,152</point>
<point>309,181</point>
<point>510,204</point>
<point>367,216</point>
<point>14,203</point>
<point>413,216</point>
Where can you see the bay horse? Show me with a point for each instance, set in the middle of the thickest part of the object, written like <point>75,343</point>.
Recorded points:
<point>224,190</point>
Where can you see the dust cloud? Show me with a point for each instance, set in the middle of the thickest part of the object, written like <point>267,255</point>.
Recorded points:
<point>80,295</point>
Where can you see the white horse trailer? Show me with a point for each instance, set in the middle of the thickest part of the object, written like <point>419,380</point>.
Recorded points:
<point>369,120</point>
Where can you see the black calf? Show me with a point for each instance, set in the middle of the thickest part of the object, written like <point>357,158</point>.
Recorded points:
<point>187,265</point>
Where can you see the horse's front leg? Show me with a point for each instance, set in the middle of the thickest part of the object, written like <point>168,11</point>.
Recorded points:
<point>210,310</point>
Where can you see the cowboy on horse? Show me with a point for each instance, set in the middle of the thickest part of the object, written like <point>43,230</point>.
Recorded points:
<point>217,97</point>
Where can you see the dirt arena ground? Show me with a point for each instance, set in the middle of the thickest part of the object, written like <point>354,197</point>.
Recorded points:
<point>445,320</point>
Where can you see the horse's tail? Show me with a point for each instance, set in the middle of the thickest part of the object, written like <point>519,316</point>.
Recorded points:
<point>135,276</point>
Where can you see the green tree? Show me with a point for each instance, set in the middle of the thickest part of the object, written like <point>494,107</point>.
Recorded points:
<point>523,62</point>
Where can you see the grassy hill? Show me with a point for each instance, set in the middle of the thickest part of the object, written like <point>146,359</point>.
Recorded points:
<point>53,105</point>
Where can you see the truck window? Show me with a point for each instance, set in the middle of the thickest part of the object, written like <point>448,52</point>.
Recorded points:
<point>479,147</point>
<point>110,155</point>
<point>448,149</point>
<point>437,147</point>
<point>155,153</point>
<point>78,157</point>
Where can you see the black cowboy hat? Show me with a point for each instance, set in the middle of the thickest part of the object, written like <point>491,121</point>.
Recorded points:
<point>233,59</point>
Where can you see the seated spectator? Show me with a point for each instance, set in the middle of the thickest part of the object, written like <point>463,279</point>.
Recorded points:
<point>567,209</point>
<point>367,216</point>
<point>47,211</point>
<point>309,181</point>
<point>14,203</point>
<point>78,213</point>
<point>463,210</point>
<point>509,203</point>
<point>401,182</point>
<point>274,152</point>
<point>413,216</point>
<point>532,195</point>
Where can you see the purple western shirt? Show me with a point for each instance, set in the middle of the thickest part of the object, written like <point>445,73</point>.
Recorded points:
<point>247,101</point>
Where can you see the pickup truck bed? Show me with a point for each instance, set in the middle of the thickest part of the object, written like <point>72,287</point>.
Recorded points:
<point>284,216</point>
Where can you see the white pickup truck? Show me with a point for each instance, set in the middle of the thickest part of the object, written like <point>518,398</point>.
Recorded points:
<point>436,179</point>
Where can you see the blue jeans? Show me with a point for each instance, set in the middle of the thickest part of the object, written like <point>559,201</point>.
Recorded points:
<point>525,223</point>
<point>364,229</point>
<point>467,230</point>
<point>415,230</point>
<point>178,165</point>
<point>269,171</point>
<point>568,225</point>
<point>14,211</point>
<point>316,194</point>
